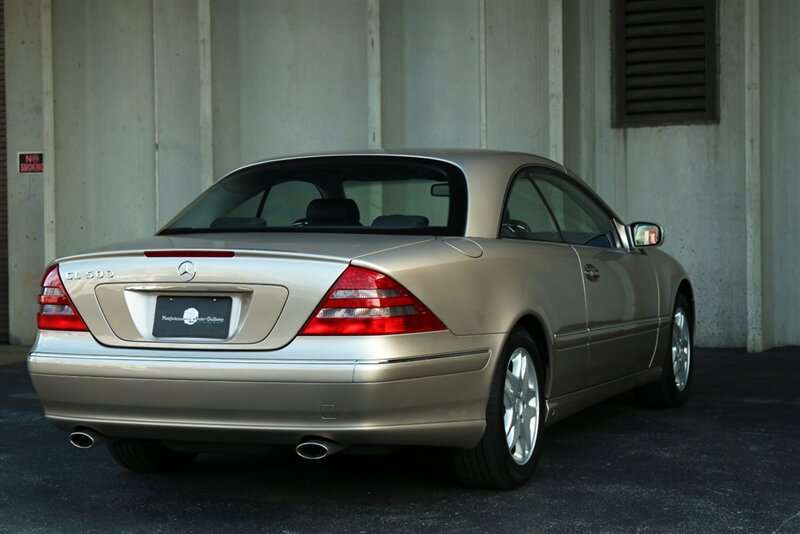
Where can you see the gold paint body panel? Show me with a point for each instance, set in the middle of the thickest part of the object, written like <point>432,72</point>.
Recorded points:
<point>266,384</point>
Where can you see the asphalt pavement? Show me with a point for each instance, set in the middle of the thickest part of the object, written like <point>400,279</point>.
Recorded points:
<point>727,461</point>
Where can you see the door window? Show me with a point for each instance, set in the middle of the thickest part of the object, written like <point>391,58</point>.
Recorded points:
<point>580,219</point>
<point>525,215</point>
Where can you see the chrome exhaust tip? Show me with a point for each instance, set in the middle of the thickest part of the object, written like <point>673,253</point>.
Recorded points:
<point>317,449</point>
<point>85,439</point>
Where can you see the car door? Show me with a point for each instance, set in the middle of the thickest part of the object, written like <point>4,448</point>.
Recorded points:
<point>621,285</point>
<point>550,281</point>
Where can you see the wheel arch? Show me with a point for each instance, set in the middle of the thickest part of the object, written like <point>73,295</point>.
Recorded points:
<point>535,326</point>
<point>685,289</point>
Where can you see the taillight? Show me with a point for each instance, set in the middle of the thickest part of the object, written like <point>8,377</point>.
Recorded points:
<point>57,312</point>
<point>366,302</point>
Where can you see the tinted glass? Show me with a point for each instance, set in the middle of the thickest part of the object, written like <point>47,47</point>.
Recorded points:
<point>580,219</point>
<point>525,215</point>
<point>347,194</point>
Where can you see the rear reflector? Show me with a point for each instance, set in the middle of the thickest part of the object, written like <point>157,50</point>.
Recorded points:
<point>57,312</point>
<point>366,302</point>
<point>188,253</point>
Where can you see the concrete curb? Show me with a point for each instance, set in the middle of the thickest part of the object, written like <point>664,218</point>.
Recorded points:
<point>10,354</point>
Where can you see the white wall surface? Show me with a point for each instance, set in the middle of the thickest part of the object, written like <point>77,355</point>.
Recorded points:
<point>225,92</point>
<point>780,153</point>
<point>291,78</point>
<point>517,89</point>
<point>24,133</point>
<point>689,178</point>
<point>430,73</point>
<point>104,132</point>
<point>177,107</point>
<point>433,83</point>
<point>138,134</point>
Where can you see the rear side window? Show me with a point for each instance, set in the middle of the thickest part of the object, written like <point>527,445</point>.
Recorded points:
<point>344,194</point>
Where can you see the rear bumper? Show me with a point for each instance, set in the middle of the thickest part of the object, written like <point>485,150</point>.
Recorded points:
<point>420,389</point>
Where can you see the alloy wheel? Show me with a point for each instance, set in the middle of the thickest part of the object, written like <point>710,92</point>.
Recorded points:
<point>521,406</point>
<point>681,348</point>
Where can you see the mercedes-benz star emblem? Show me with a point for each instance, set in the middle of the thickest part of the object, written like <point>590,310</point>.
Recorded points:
<point>186,271</point>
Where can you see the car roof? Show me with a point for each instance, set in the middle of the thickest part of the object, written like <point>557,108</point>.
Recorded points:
<point>487,174</point>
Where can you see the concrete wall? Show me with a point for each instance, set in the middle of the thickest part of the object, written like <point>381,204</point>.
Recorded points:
<point>176,112</point>
<point>292,78</point>
<point>517,76</point>
<point>154,99</point>
<point>430,74</point>
<point>104,131</point>
<point>434,84</point>
<point>688,178</point>
<point>780,153</point>
<point>25,193</point>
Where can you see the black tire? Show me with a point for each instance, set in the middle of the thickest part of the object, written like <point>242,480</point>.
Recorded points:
<point>148,456</point>
<point>490,464</point>
<point>665,393</point>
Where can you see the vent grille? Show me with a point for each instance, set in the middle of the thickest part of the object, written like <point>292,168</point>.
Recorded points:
<point>665,61</point>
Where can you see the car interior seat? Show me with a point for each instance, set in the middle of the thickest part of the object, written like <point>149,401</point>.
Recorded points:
<point>333,212</point>
<point>400,221</point>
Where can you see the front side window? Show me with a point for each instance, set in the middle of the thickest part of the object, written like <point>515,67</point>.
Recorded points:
<point>345,194</point>
<point>580,219</point>
<point>525,215</point>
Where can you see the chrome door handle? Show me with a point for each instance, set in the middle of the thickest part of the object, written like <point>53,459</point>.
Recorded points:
<point>591,272</point>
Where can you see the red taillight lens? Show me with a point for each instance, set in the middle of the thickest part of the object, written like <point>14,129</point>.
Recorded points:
<point>365,302</point>
<point>57,312</point>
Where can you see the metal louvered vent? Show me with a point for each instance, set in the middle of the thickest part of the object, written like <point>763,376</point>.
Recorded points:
<point>665,62</point>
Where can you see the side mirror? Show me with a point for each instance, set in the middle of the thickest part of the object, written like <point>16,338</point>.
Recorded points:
<point>646,234</point>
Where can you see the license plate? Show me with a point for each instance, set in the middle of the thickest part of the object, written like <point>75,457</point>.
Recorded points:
<point>198,317</point>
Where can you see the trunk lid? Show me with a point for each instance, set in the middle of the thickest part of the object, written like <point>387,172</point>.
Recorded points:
<point>188,297</point>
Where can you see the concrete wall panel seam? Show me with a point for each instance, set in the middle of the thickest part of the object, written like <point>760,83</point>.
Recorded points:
<point>753,215</point>
<point>23,69</point>
<point>156,147</point>
<point>484,141</point>
<point>205,94</point>
<point>374,104</point>
<point>48,132</point>
<point>555,62</point>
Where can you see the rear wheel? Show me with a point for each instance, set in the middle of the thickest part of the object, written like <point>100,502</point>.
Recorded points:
<point>509,450</point>
<point>148,456</point>
<point>676,367</point>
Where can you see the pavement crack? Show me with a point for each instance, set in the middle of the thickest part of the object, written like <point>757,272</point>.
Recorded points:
<point>786,522</point>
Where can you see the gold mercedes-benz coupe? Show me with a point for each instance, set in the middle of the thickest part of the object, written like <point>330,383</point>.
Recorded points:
<point>454,298</point>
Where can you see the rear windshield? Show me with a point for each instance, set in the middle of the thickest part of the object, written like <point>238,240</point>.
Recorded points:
<point>344,194</point>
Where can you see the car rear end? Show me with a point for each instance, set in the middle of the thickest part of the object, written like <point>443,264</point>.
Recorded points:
<point>226,330</point>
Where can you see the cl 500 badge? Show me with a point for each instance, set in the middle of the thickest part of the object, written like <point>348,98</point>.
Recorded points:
<point>89,275</point>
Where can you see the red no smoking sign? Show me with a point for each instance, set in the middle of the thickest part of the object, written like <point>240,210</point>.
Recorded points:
<point>30,162</point>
